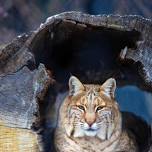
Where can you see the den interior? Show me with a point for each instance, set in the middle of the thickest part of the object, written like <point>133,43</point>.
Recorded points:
<point>93,55</point>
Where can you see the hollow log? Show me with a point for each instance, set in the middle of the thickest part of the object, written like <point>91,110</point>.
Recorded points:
<point>93,48</point>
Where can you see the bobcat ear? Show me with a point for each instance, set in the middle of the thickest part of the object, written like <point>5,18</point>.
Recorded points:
<point>75,86</point>
<point>109,87</point>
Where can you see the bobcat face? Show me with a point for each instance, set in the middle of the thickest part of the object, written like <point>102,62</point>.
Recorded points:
<point>91,109</point>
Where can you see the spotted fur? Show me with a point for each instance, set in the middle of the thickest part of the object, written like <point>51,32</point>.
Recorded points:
<point>90,120</point>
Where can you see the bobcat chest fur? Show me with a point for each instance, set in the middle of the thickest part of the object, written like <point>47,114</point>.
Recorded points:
<point>90,120</point>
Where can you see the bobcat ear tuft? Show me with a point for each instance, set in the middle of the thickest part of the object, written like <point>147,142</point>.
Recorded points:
<point>75,86</point>
<point>109,87</point>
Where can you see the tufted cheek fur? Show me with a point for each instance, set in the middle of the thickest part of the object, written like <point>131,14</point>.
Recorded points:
<point>106,123</point>
<point>74,121</point>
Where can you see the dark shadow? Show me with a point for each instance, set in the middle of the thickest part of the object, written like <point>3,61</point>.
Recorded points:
<point>90,53</point>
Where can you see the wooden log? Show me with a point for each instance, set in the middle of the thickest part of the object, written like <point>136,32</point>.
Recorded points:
<point>17,139</point>
<point>19,94</point>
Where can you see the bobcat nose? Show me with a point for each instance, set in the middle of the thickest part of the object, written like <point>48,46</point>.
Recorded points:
<point>90,119</point>
<point>90,123</point>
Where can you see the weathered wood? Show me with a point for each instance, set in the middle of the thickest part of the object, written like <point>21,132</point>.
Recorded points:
<point>120,23</point>
<point>19,93</point>
<point>18,96</point>
<point>16,140</point>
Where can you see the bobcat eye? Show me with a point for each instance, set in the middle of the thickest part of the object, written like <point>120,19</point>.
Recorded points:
<point>81,107</point>
<point>99,108</point>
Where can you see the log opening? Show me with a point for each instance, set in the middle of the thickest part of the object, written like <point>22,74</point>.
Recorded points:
<point>91,53</point>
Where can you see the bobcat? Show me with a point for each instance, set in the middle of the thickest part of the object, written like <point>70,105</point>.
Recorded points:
<point>90,120</point>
